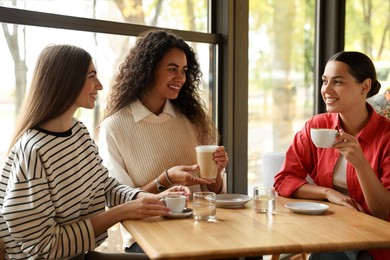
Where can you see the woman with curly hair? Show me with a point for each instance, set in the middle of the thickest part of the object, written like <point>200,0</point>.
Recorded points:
<point>54,189</point>
<point>155,118</point>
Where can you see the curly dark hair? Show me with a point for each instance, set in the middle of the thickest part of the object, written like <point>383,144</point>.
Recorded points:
<point>137,75</point>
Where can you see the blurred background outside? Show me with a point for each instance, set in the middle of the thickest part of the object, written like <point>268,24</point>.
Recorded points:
<point>281,60</point>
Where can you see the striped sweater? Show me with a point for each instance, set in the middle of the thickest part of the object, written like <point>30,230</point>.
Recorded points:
<point>50,186</point>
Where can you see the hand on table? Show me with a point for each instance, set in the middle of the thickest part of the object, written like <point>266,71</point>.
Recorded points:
<point>340,199</point>
<point>144,207</point>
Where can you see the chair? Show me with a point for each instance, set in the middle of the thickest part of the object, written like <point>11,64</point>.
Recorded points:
<point>94,255</point>
<point>272,162</point>
<point>301,256</point>
<point>2,250</point>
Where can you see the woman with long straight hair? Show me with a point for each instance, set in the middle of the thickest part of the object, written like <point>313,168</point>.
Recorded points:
<point>53,187</point>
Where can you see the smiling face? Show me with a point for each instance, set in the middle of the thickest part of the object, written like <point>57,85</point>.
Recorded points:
<point>92,85</point>
<point>170,75</point>
<point>340,90</point>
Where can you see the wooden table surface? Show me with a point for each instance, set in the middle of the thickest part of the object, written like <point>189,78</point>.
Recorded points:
<point>242,232</point>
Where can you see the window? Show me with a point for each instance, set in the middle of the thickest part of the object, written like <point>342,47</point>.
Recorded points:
<point>175,14</point>
<point>107,49</point>
<point>281,56</point>
<point>107,42</point>
<point>370,20</point>
<point>281,78</point>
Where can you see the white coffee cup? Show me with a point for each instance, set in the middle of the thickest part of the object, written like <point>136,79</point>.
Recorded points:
<point>176,203</point>
<point>323,137</point>
<point>208,168</point>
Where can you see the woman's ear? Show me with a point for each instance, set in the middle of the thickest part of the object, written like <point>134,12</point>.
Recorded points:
<point>366,86</point>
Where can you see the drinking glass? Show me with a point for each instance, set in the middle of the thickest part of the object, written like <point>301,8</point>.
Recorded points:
<point>263,199</point>
<point>204,206</point>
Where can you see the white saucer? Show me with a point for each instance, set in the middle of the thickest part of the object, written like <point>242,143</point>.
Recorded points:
<point>312,208</point>
<point>186,212</point>
<point>231,200</point>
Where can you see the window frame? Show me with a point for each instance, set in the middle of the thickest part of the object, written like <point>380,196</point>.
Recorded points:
<point>229,36</point>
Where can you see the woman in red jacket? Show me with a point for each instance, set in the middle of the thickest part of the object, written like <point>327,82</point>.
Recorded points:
<point>355,172</point>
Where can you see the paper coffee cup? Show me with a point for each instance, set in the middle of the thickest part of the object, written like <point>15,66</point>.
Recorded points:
<point>208,169</point>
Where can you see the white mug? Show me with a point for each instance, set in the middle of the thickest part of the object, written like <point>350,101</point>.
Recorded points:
<point>176,203</point>
<point>323,137</point>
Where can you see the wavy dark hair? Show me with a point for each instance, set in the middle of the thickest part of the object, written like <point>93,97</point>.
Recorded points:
<point>136,78</point>
<point>360,67</point>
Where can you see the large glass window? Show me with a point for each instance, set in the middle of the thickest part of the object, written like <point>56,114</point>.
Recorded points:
<point>367,29</point>
<point>108,52</point>
<point>191,15</point>
<point>280,79</point>
<point>20,45</point>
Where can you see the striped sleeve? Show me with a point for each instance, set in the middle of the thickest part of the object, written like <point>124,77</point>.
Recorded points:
<point>117,193</point>
<point>30,214</point>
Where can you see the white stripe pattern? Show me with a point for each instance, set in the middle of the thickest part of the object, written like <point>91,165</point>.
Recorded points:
<point>50,186</point>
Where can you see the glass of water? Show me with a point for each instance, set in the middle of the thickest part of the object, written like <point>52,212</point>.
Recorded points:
<point>204,205</point>
<point>263,199</point>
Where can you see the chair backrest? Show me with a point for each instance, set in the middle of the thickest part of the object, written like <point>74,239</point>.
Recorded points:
<point>272,161</point>
<point>2,250</point>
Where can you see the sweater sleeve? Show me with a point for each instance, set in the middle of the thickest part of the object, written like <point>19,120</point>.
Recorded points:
<point>112,158</point>
<point>30,216</point>
<point>117,193</point>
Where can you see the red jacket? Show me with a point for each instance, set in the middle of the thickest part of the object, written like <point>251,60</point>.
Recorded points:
<point>303,158</point>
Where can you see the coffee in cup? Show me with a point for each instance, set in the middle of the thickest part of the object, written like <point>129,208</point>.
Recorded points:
<point>176,203</point>
<point>323,137</point>
<point>208,168</point>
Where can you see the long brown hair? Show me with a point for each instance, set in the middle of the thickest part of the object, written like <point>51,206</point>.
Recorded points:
<point>59,76</point>
<point>136,78</point>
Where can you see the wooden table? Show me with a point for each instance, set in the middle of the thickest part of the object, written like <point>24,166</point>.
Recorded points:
<point>242,232</point>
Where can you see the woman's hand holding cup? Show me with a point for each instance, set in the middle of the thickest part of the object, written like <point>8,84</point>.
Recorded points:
<point>175,190</point>
<point>176,198</point>
<point>186,175</point>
